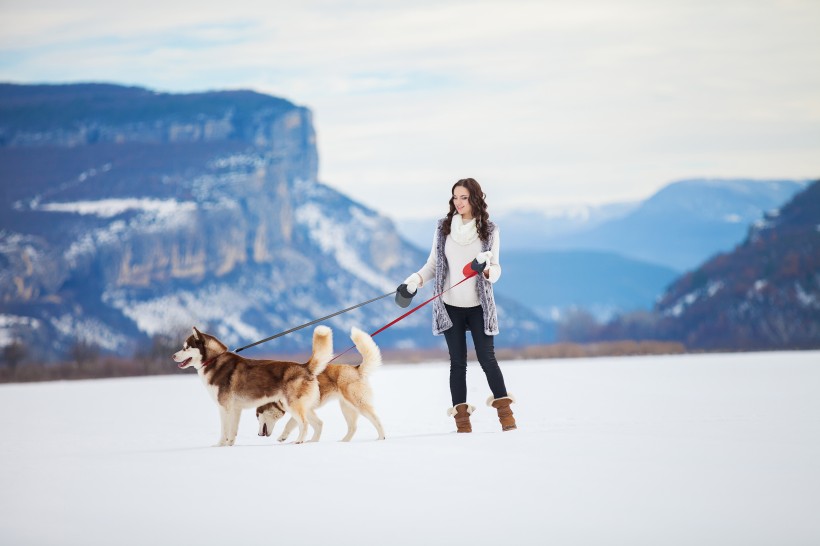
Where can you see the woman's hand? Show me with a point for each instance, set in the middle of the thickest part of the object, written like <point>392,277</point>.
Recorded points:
<point>412,282</point>
<point>480,263</point>
<point>484,257</point>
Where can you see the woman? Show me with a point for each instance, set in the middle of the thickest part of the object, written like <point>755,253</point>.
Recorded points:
<point>466,236</point>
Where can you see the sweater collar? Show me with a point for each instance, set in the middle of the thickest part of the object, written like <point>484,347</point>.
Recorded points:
<point>463,233</point>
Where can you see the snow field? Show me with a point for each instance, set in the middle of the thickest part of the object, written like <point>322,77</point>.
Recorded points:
<point>691,449</point>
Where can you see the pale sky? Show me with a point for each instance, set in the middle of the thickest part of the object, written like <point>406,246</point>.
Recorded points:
<point>544,102</point>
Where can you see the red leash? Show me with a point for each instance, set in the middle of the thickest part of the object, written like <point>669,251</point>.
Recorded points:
<point>468,272</point>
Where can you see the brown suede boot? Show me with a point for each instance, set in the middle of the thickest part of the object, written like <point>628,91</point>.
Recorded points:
<point>505,414</point>
<point>462,414</point>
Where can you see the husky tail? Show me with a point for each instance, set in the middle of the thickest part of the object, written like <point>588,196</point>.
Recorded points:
<point>371,355</point>
<point>322,350</point>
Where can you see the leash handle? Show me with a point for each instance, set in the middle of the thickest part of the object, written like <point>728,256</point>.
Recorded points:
<point>410,312</point>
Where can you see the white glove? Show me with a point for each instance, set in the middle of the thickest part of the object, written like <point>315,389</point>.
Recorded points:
<point>413,282</point>
<point>484,257</point>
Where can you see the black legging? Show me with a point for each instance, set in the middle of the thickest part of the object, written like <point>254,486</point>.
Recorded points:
<point>471,318</point>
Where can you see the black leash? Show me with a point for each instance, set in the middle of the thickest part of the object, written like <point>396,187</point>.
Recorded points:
<point>280,334</point>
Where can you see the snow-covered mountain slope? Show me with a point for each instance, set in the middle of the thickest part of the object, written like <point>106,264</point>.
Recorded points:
<point>763,294</point>
<point>677,450</point>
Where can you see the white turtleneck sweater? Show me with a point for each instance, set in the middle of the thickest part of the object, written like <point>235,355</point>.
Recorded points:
<point>461,248</point>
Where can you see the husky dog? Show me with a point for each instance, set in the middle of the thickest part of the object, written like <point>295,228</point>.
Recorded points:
<point>238,383</point>
<point>347,383</point>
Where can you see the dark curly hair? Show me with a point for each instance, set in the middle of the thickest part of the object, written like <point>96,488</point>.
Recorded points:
<point>479,206</point>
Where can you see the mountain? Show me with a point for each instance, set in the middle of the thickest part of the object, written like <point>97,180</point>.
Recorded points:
<point>552,282</point>
<point>529,229</point>
<point>686,222</point>
<point>129,214</point>
<point>763,294</point>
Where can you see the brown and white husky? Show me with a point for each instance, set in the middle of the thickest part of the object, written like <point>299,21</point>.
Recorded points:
<point>238,383</point>
<point>348,384</point>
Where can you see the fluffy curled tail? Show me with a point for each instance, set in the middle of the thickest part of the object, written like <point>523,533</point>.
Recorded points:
<point>322,350</point>
<point>371,355</point>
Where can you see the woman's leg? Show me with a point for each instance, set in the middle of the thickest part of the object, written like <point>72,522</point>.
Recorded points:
<point>456,337</point>
<point>485,352</point>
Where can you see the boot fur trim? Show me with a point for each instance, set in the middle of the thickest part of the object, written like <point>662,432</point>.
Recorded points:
<point>509,397</point>
<point>452,411</point>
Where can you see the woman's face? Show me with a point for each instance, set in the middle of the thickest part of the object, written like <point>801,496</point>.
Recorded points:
<point>461,200</point>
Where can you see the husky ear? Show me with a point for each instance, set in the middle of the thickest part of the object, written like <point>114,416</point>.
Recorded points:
<point>197,333</point>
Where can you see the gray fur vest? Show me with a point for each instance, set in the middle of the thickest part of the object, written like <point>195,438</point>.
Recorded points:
<point>484,289</point>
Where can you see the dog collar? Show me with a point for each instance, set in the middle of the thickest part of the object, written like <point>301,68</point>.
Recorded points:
<point>209,361</point>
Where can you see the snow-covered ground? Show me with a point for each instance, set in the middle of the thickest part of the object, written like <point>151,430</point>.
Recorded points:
<point>688,450</point>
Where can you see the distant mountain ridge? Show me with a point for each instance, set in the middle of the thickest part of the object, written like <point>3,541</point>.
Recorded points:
<point>529,229</point>
<point>135,214</point>
<point>686,222</point>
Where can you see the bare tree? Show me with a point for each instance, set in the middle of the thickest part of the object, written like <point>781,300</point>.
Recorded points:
<point>578,326</point>
<point>85,354</point>
<point>14,354</point>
